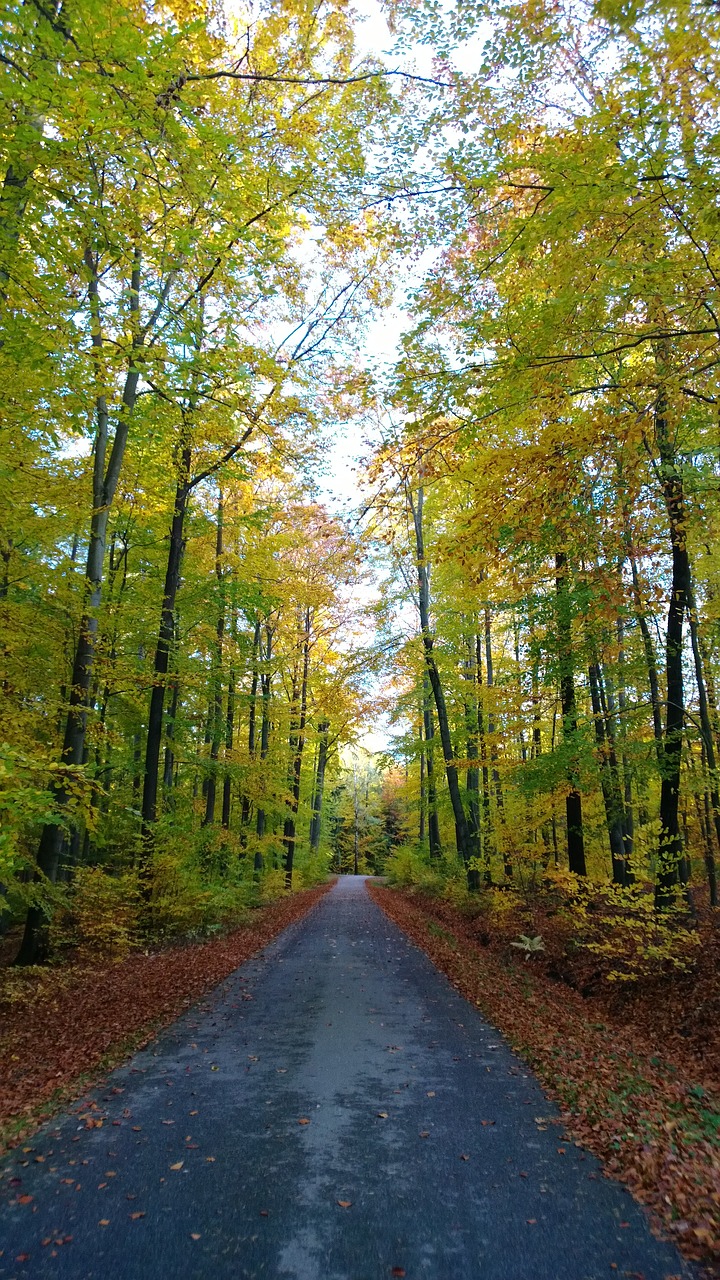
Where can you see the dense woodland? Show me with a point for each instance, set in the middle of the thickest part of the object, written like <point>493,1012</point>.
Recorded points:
<point>203,209</point>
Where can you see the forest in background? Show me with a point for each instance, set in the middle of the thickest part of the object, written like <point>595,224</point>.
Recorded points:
<point>202,210</point>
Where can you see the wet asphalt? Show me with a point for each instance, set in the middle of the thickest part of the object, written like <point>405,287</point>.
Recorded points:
<point>333,1111</point>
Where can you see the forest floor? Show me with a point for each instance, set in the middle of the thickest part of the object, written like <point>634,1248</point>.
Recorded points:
<point>635,1067</point>
<point>65,1026</point>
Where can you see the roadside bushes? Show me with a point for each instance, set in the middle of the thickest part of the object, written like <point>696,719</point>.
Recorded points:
<point>603,933</point>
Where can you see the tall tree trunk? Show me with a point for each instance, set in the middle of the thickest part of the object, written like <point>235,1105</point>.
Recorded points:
<point>252,717</point>
<point>573,801</point>
<point>319,788</point>
<point>461,828</point>
<point>163,649</point>
<point>265,679</point>
<point>217,715</point>
<point>169,761</point>
<point>627,772</point>
<point>472,777</point>
<point>671,863</point>
<point>488,831</point>
<point>297,744</point>
<point>423,783</point>
<point>708,743</point>
<point>497,785</point>
<point>106,473</point>
<point>609,781</point>
<point>229,734</point>
<point>434,840</point>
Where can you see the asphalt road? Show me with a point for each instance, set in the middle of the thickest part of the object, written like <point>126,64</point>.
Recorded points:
<point>334,1111</point>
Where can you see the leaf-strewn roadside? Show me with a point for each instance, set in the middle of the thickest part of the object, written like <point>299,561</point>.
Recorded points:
<point>655,1128</point>
<point>85,1022</point>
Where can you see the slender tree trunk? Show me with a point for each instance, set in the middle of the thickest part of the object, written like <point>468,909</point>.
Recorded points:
<point>497,785</point>
<point>163,649</point>
<point>573,801</point>
<point>451,772</point>
<point>297,744</point>
<point>671,863</point>
<point>169,762</point>
<point>608,780</point>
<point>319,788</point>
<point>265,679</point>
<point>472,777</point>
<point>229,734</point>
<point>106,473</point>
<point>245,810</point>
<point>434,840</point>
<point>217,715</point>
<point>627,772</point>
<point>423,783</point>
<point>708,743</point>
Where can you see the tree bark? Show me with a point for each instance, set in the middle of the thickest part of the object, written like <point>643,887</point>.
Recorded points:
<point>671,863</point>
<point>106,473</point>
<point>609,780</point>
<point>265,678</point>
<point>217,716</point>
<point>573,801</point>
<point>163,649</point>
<point>451,772</point>
<point>319,788</point>
<point>297,744</point>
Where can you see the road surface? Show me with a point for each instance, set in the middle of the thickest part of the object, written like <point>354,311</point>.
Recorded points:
<point>334,1111</point>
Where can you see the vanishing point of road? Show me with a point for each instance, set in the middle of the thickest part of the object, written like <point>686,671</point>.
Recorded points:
<point>333,1111</point>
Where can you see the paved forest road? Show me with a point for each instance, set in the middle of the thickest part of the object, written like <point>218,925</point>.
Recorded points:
<point>336,1023</point>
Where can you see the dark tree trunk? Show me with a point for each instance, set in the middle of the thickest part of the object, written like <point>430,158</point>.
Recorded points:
<point>163,649</point>
<point>609,780</point>
<point>106,473</point>
<point>432,805</point>
<point>573,801</point>
<point>472,777</point>
<point>169,763</point>
<point>217,714</point>
<point>672,868</point>
<point>297,744</point>
<point>423,783</point>
<point>265,679</point>
<point>461,828</point>
<point>497,785</point>
<point>319,788</point>
<point>709,745</point>
<point>627,772</point>
<point>229,734</point>
<point>252,717</point>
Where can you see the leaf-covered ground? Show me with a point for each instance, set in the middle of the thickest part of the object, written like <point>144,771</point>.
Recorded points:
<point>626,1093</point>
<point>62,1027</point>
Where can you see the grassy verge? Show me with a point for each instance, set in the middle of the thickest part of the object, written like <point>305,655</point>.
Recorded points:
<point>654,1126</point>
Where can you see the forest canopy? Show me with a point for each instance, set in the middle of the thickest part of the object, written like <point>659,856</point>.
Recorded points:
<point>205,211</point>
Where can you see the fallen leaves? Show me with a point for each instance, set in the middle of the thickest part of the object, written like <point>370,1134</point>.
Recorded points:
<point>345,1204</point>
<point>195,1235</point>
<point>667,1152</point>
<point>178,1165</point>
<point>303,1120</point>
<point>139,1213</point>
<point>55,1042</point>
